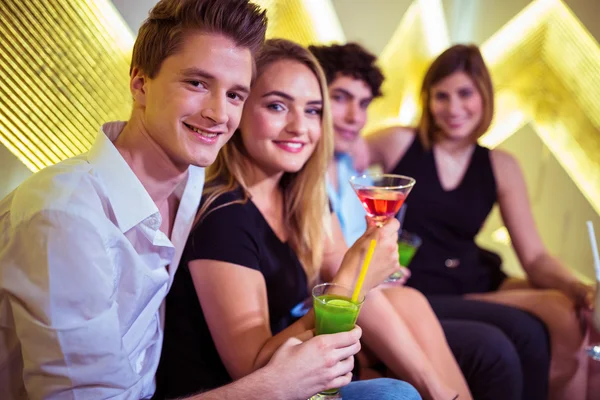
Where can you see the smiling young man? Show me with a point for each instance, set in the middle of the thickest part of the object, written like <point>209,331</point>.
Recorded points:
<point>89,246</point>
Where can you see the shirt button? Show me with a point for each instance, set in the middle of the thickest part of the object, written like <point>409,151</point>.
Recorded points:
<point>452,262</point>
<point>154,222</point>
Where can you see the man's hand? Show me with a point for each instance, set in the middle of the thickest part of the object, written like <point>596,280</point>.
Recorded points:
<point>306,365</point>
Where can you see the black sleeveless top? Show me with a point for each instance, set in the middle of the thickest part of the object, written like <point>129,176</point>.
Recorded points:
<point>449,261</point>
<point>238,234</point>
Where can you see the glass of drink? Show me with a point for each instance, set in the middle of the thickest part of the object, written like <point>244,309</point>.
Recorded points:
<point>334,312</point>
<point>382,196</point>
<point>408,244</point>
<point>594,350</point>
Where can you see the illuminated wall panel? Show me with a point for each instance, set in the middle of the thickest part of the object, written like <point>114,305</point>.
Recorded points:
<point>65,67</point>
<point>549,66</point>
<point>420,36</point>
<point>303,21</point>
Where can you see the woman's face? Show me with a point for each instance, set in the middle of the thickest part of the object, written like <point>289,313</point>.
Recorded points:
<point>281,122</point>
<point>456,106</point>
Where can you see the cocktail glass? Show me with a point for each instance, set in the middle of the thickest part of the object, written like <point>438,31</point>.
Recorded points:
<point>334,312</point>
<point>408,244</point>
<point>382,196</point>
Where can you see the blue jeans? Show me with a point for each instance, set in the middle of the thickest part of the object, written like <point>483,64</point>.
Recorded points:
<point>379,389</point>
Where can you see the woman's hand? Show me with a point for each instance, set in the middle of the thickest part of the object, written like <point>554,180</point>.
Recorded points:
<point>385,257</point>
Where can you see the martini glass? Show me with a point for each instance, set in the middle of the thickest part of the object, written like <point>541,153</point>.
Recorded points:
<point>382,196</point>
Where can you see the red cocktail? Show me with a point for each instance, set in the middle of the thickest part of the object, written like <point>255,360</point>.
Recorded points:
<point>380,204</point>
<point>382,195</point>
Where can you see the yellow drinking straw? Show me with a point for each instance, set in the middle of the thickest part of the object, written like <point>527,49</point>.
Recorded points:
<point>363,271</point>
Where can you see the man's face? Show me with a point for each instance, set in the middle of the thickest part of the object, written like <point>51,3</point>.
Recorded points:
<point>350,98</point>
<point>194,103</point>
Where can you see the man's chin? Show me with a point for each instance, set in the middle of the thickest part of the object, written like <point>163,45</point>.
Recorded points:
<point>343,144</point>
<point>204,161</point>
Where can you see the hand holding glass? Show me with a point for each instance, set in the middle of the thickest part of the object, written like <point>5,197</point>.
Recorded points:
<point>408,244</point>
<point>334,312</point>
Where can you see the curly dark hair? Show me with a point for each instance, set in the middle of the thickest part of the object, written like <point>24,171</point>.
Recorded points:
<point>349,59</point>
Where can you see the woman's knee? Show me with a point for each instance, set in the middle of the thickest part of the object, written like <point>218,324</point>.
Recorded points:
<point>560,316</point>
<point>557,304</point>
<point>407,296</point>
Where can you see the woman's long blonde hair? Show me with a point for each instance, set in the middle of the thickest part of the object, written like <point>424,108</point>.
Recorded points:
<point>306,210</point>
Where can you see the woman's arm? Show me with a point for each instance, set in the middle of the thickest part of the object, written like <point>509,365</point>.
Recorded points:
<point>542,269</point>
<point>235,305</point>
<point>388,146</point>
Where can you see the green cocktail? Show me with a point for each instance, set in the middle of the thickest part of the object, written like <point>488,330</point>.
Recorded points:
<point>406,252</point>
<point>408,244</point>
<point>334,312</point>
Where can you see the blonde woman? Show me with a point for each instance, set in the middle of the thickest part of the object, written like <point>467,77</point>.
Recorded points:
<point>260,243</point>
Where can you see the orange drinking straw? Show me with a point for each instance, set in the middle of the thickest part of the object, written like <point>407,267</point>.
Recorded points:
<point>363,271</point>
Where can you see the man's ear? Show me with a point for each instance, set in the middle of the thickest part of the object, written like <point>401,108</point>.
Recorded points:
<point>137,85</point>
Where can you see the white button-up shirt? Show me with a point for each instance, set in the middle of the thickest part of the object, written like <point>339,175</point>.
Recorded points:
<point>83,275</point>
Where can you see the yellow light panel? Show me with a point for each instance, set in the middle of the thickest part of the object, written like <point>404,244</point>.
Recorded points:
<point>546,67</point>
<point>303,21</point>
<point>420,36</point>
<point>501,236</point>
<point>65,71</point>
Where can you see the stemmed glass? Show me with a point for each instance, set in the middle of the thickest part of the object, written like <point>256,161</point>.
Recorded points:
<point>382,196</point>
